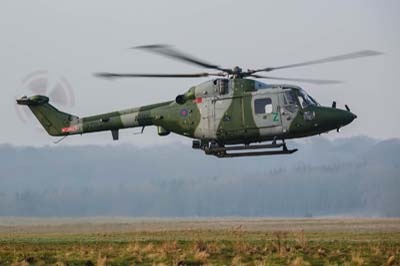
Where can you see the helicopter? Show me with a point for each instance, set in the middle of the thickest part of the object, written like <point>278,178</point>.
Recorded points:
<point>232,115</point>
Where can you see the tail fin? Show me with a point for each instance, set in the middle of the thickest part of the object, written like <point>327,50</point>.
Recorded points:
<point>53,120</point>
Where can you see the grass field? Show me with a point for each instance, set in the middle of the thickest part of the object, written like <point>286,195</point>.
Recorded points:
<point>122,241</point>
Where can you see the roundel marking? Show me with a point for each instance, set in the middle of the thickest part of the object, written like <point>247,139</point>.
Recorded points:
<point>184,112</point>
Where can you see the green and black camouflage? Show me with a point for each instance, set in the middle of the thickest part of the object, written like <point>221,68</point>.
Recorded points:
<point>224,111</point>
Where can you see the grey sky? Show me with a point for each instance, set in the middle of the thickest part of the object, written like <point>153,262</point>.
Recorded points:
<point>77,38</point>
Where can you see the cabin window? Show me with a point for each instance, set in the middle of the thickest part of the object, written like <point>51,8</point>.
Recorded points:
<point>223,85</point>
<point>263,106</point>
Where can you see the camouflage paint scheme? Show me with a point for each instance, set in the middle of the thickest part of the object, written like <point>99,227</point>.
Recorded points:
<point>220,110</point>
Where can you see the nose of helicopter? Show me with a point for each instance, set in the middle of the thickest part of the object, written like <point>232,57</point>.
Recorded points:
<point>343,117</point>
<point>349,117</point>
<point>329,118</point>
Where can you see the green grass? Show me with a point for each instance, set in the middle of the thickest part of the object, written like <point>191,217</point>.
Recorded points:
<point>221,246</point>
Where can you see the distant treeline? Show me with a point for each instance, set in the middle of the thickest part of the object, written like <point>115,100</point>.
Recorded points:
<point>355,176</point>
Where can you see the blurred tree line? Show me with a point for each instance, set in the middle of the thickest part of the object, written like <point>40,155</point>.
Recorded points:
<point>344,177</point>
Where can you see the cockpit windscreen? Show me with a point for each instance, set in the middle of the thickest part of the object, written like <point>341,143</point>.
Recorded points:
<point>305,100</point>
<point>299,97</point>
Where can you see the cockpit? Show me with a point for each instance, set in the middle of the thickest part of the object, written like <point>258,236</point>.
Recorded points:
<point>305,99</point>
<point>297,96</point>
<point>293,95</point>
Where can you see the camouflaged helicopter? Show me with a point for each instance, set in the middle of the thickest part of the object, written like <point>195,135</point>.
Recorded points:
<point>228,116</point>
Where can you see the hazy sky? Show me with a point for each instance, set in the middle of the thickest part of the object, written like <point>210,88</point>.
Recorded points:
<point>76,38</point>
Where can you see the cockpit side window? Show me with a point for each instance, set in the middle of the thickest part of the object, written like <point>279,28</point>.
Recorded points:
<point>296,97</point>
<point>290,98</point>
<point>302,101</point>
<point>305,100</point>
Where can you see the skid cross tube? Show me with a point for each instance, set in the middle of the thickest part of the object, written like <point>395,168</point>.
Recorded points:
<point>221,151</point>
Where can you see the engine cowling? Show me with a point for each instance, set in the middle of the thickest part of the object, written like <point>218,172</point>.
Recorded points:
<point>182,98</point>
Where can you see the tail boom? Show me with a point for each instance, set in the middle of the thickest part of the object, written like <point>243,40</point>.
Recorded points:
<point>58,123</point>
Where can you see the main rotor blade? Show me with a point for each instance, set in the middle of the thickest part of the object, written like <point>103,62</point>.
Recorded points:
<point>144,75</point>
<point>312,81</point>
<point>170,52</point>
<point>359,54</point>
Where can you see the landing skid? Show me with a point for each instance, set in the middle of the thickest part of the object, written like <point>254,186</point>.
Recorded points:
<point>243,150</point>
